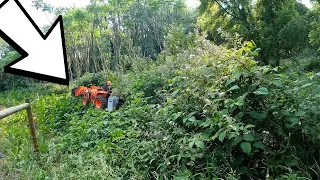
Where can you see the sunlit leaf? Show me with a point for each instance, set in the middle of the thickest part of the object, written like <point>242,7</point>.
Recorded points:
<point>248,137</point>
<point>259,144</point>
<point>261,91</point>
<point>234,88</point>
<point>278,83</point>
<point>246,147</point>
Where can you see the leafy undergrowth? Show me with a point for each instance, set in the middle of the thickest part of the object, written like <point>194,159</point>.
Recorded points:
<point>204,113</point>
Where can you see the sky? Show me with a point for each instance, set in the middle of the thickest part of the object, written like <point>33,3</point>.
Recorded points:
<point>42,19</point>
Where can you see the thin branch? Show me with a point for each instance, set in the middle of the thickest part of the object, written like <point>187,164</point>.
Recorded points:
<point>225,10</point>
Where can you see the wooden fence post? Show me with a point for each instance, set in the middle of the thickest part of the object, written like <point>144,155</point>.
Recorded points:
<point>32,127</point>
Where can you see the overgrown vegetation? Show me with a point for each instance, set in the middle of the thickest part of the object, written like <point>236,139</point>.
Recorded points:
<point>197,111</point>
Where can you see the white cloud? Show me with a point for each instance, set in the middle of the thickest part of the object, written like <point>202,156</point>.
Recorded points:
<point>307,3</point>
<point>192,3</point>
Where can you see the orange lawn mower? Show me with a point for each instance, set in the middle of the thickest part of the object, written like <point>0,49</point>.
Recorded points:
<point>99,97</point>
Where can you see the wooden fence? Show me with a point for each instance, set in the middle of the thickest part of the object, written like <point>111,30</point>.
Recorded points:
<point>27,106</point>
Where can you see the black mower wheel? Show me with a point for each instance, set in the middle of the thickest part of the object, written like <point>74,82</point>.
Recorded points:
<point>120,103</point>
<point>100,102</point>
<point>73,91</point>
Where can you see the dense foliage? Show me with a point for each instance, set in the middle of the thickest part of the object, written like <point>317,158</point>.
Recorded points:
<point>206,112</point>
<point>104,36</point>
<point>197,106</point>
<point>8,81</point>
<point>271,24</point>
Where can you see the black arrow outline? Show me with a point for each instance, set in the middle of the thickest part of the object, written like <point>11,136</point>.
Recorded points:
<point>24,54</point>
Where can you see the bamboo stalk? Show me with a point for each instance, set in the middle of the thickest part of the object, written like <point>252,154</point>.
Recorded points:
<point>12,110</point>
<point>32,127</point>
<point>27,106</point>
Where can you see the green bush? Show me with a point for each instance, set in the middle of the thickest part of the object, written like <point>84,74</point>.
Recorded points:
<point>312,65</point>
<point>96,79</point>
<point>230,114</point>
<point>91,79</point>
<point>9,81</point>
<point>205,113</point>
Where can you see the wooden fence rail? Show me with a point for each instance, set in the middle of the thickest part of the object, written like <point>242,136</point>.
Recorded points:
<point>27,107</point>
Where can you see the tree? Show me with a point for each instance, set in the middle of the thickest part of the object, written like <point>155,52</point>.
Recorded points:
<point>109,36</point>
<point>297,28</point>
<point>269,23</point>
<point>231,15</point>
<point>315,26</point>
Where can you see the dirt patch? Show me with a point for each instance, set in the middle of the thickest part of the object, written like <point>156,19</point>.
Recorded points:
<point>5,174</point>
<point>3,162</point>
<point>2,107</point>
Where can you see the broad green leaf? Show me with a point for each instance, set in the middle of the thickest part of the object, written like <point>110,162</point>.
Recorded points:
<point>252,87</point>
<point>191,114</point>
<point>249,126</point>
<point>192,119</point>
<point>236,141</point>
<point>258,49</point>
<point>248,137</point>
<point>85,144</point>
<point>175,93</point>
<point>234,88</point>
<point>199,144</point>
<point>294,121</point>
<point>179,157</point>
<point>261,91</point>
<point>255,53</point>
<point>229,82</point>
<point>205,135</point>
<point>243,170</point>
<point>189,117</point>
<point>193,158</point>
<point>229,119</point>
<point>278,83</point>
<point>240,102</point>
<point>246,147</point>
<point>216,135</point>
<point>211,75</point>
<point>258,144</point>
<point>266,70</point>
<point>187,155</point>
<point>191,143</point>
<point>176,115</point>
<point>234,127</point>
<point>299,113</point>
<point>258,114</point>
<point>294,162</point>
<point>306,85</point>
<point>181,176</point>
<point>205,123</point>
<point>222,136</point>
<point>237,75</point>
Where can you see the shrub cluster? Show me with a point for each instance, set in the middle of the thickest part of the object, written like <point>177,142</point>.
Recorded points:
<point>205,113</point>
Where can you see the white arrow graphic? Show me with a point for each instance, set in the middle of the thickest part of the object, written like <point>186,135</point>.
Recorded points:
<point>43,57</point>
